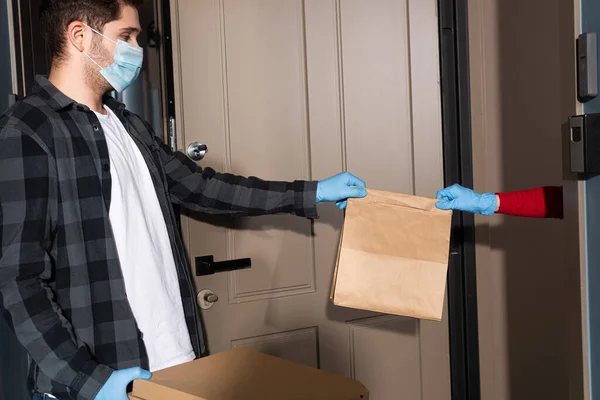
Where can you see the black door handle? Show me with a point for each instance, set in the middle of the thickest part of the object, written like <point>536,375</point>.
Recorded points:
<point>206,265</point>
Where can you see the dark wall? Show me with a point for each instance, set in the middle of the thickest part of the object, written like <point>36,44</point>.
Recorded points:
<point>523,85</point>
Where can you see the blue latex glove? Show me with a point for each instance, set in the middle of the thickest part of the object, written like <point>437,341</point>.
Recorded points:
<point>340,188</point>
<point>460,198</point>
<point>115,387</point>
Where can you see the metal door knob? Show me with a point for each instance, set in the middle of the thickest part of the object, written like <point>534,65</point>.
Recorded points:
<point>196,151</point>
<point>206,299</point>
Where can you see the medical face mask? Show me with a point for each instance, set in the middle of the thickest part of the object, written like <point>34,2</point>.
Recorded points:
<point>126,66</point>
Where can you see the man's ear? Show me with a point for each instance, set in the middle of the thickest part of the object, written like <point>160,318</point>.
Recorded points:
<point>78,35</point>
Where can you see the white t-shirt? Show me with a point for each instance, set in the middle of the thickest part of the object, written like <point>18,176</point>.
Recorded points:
<point>145,251</point>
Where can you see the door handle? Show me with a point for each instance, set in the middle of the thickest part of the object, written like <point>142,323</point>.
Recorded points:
<point>206,265</point>
<point>196,151</point>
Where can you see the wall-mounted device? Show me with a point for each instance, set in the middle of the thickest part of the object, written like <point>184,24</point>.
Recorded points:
<point>587,66</point>
<point>584,143</point>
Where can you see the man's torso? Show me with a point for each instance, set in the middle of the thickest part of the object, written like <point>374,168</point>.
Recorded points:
<point>144,250</point>
<point>86,281</point>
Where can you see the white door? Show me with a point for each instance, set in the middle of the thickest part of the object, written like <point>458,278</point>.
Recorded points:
<point>292,89</point>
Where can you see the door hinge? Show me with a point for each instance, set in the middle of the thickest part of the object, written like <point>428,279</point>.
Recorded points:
<point>172,134</point>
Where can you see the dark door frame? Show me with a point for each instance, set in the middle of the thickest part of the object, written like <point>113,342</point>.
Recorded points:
<point>458,168</point>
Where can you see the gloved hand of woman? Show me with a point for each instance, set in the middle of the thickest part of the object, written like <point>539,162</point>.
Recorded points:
<point>460,198</point>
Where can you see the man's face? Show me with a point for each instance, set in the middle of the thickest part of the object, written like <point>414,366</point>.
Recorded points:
<point>126,28</point>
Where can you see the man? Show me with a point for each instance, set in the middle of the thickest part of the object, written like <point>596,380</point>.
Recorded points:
<point>92,270</point>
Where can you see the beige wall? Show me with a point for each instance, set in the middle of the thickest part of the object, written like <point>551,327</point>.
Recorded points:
<point>522,83</point>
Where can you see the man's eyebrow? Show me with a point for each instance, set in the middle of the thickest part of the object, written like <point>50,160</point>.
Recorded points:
<point>131,29</point>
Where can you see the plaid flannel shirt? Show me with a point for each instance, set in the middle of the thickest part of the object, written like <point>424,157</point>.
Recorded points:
<point>60,278</point>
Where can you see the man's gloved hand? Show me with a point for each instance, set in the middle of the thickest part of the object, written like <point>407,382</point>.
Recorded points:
<point>459,198</point>
<point>339,189</point>
<point>115,387</point>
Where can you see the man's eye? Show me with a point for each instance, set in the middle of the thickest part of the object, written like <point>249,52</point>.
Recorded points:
<point>126,38</point>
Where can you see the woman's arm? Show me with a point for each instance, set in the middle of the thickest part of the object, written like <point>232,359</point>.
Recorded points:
<point>543,202</point>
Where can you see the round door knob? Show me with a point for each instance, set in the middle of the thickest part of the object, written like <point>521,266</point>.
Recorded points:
<point>206,299</point>
<point>196,151</point>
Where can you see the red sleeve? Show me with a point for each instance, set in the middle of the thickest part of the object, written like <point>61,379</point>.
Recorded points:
<point>543,202</point>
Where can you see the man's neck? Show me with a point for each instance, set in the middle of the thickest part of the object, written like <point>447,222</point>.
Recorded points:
<point>74,86</point>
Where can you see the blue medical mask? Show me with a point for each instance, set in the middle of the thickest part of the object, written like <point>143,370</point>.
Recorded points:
<point>126,66</point>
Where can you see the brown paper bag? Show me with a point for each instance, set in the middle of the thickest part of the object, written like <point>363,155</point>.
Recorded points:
<point>393,256</point>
